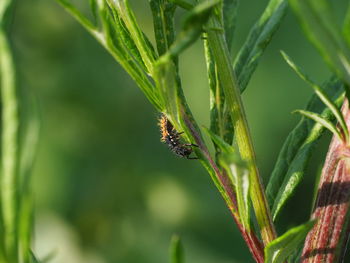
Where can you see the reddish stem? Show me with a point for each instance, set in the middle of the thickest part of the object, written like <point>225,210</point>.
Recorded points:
<point>326,241</point>
<point>250,238</point>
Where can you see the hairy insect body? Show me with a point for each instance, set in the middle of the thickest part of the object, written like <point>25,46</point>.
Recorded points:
<point>172,138</point>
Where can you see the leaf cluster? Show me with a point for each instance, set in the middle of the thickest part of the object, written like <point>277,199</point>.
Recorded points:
<point>18,144</point>
<point>232,167</point>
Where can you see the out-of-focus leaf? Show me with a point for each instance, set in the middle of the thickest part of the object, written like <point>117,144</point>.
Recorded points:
<point>31,126</point>
<point>230,16</point>
<point>323,97</point>
<point>93,7</point>
<point>4,5</point>
<point>319,25</point>
<point>297,149</point>
<point>282,247</point>
<point>258,39</point>
<point>346,26</point>
<point>176,250</point>
<point>182,3</point>
<point>9,149</point>
<point>33,258</point>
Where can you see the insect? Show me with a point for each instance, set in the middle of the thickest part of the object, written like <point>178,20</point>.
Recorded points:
<point>171,137</point>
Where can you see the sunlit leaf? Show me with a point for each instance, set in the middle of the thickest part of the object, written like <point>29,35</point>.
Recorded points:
<point>297,149</point>
<point>282,247</point>
<point>321,94</point>
<point>324,122</point>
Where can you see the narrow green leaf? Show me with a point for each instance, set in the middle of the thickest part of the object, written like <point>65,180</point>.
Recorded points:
<point>258,39</point>
<point>4,6</point>
<point>164,76</point>
<point>33,258</point>
<point>119,50</point>
<point>282,247</point>
<point>93,7</point>
<point>298,147</point>
<point>163,23</point>
<point>139,38</point>
<point>321,94</point>
<point>297,69</point>
<point>125,43</point>
<point>346,26</point>
<point>176,250</point>
<point>78,16</point>
<point>230,11</point>
<point>239,175</point>
<point>9,174</point>
<point>26,225</point>
<point>238,171</point>
<point>324,122</point>
<point>319,25</point>
<point>183,4</point>
<point>296,171</point>
<point>217,100</point>
<point>192,27</point>
<point>219,142</point>
<point>28,153</point>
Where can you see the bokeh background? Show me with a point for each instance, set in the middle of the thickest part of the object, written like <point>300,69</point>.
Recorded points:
<point>106,189</point>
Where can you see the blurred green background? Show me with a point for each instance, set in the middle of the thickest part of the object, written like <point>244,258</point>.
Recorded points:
<point>106,189</point>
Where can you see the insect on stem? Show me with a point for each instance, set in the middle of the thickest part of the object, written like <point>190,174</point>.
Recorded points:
<point>171,137</point>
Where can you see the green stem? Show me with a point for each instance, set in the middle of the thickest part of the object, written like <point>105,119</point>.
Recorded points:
<point>9,176</point>
<point>242,135</point>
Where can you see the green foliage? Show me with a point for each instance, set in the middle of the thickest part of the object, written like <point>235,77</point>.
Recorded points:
<point>319,25</point>
<point>16,161</point>
<point>258,39</point>
<point>176,250</point>
<point>233,171</point>
<point>324,122</point>
<point>230,10</point>
<point>9,173</point>
<point>297,149</point>
<point>237,170</point>
<point>346,27</point>
<point>238,175</point>
<point>282,247</point>
<point>119,32</point>
<point>325,99</point>
<point>192,27</point>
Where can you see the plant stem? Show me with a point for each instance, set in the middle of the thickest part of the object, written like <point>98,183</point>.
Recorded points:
<point>226,189</point>
<point>242,135</point>
<point>327,240</point>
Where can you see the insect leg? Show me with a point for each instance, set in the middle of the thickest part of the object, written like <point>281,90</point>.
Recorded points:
<point>191,144</point>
